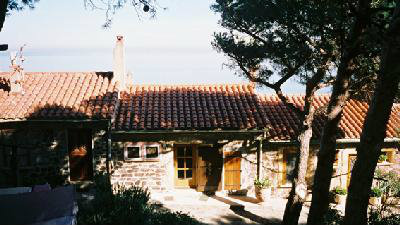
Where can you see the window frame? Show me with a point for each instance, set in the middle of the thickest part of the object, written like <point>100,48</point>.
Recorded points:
<point>126,158</point>
<point>145,152</point>
<point>142,152</point>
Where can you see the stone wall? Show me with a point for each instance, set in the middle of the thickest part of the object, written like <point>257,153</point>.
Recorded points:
<point>155,175</point>
<point>270,163</point>
<point>341,170</point>
<point>40,155</point>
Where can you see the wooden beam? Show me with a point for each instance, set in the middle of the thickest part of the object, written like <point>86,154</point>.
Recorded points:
<point>67,124</point>
<point>184,136</point>
<point>259,159</point>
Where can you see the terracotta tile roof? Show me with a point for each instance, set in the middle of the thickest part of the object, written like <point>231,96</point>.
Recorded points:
<point>285,125</point>
<point>92,95</point>
<point>68,95</point>
<point>190,107</point>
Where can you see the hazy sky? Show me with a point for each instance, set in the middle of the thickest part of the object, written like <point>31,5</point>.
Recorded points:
<point>173,48</point>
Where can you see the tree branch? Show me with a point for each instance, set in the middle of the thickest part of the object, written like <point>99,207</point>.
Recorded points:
<point>274,86</point>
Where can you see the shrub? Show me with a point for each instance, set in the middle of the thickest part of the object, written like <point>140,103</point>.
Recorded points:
<point>393,184</point>
<point>389,182</point>
<point>339,191</point>
<point>375,217</point>
<point>126,206</point>
<point>264,183</point>
<point>376,192</point>
<point>378,218</point>
<point>382,158</point>
<point>332,217</point>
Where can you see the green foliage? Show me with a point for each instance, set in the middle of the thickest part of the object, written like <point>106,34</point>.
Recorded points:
<point>110,7</point>
<point>332,217</point>
<point>263,183</point>
<point>375,217</point>
<point>296,38</point>
<point>382,157</point>
<point>376,192</point>
<point>378,218</point>
<point>389,182</point>
<point>126,207</point>
<point>21,4</point>
<point>339,191</point>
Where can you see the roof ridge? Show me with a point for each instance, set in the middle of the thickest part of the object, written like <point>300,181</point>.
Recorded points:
<point>193,84</point>
<point>292,94</point>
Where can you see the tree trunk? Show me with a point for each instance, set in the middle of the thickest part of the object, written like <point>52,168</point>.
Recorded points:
<point>298,192</point>
<point>299,189</point>
<point>3,12</point>
<point>340,93</point>
<point>374,128</point>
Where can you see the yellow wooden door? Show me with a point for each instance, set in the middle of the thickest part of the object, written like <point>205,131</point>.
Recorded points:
<point>351,161</point>
<point>232,170</point>
<point>184,161</point>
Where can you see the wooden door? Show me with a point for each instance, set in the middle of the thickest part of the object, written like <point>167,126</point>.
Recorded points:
<point>351,160</point>
<point>232,170</point>
<point>209,169</point>
<point>184,161</point>
<point>80,154</point>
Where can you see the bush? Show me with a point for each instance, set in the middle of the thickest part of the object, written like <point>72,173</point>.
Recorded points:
<point>264,183</point>
<point>332,217</point>
<point>389,182</point>
<point>125,206</point>
<point>339,191</point>
<point>382,158</point>
<point>375,218</point>
<point>376,192</point>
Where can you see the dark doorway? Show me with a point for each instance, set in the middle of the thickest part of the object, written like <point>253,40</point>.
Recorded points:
<point>209,169</point>
<point>80,154</point>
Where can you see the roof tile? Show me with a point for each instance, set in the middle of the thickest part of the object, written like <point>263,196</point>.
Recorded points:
<point>61,95</point>
<point>285,125</point>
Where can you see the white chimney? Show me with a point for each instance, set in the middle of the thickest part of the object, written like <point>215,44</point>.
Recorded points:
<point>119,63</point>
<point>17,72</point>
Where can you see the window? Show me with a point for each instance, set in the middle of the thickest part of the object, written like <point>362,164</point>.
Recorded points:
<point>8,154</point>
<point>132,153</point>
<point>387,156</point>
<point>289,158</point>
<point>24,157</point>
<point>151,152</point>
<point>141,152</point>
<point>184,160</point>
<point>290,166</point>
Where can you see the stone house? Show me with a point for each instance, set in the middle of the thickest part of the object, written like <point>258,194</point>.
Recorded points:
<point>69,126</point>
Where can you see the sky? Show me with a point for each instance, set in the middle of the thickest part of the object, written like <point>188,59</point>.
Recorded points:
<point>173,48</point>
